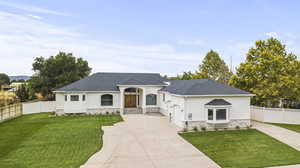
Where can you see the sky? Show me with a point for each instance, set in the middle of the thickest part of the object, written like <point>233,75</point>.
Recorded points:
<point>168,37</point>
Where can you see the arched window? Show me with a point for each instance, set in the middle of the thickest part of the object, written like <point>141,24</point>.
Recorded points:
<point>151,99</point>
<point>107,100</point>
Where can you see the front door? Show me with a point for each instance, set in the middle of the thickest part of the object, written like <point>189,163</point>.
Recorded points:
<point>130,101</point>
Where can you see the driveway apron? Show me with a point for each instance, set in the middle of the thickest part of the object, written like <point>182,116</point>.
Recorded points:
<point>146,141</point>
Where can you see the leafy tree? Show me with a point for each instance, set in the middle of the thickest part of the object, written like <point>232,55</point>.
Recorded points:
<point>271,73</point>
<point>57,71</point>
<point>185,76</point>
<point>25,93</point>
<point>213,67</point>
<point>22,93</point>
<point>4,79</point>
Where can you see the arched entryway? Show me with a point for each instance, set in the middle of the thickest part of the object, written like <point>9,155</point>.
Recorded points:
<point>132,100</point>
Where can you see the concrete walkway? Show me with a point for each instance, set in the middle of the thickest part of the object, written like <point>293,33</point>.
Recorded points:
<point>144,141</point>
<point>284,135</point>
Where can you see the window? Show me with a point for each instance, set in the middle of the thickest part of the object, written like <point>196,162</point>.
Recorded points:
<point>221,114</point>
<point>217,114</point>
<point>74,97</point>
<point>66,97</point>
<point>190,116</point>
<point>210,114</point>
<point>130,90</point>
<point>151,99</point>
<point>164,97</point>
<point>107,100</point>
<point>83,97</point>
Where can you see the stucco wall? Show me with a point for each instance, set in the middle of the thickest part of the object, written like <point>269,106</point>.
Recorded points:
<point>92,104</point>
<point>240,107</point>
<point>173,105</point>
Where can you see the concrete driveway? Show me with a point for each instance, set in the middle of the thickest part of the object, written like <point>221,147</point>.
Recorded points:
<point>145,141</point>
<point>284,135</point>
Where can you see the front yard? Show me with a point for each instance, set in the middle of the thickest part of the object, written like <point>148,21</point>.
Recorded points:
<point>35,141</point>
<point>292,127</point>
<point>243,148</point>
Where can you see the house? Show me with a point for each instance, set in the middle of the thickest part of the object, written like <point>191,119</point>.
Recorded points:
<point>188,103</point>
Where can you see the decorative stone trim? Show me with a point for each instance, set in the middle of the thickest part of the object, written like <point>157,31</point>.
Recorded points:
<point>103,110</point>
<point>92,111</point>
<point>152,109</point>
<point>243,123</point>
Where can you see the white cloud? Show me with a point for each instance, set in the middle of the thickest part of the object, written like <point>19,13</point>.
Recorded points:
<point>34,16</point>
<point>30,8</point>
<point>23,38</point>
<point>272,34</point>
<point>196,43</point>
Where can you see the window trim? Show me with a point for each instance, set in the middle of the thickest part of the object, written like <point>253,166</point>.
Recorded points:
<point>112,100</point>
<point>151,94</point>
<point>215,108</point>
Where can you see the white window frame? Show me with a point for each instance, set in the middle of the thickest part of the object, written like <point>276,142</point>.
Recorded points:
<point>214,108</point>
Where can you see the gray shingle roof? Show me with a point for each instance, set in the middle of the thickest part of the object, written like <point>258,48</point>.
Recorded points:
<point>218,102</point>
<point>109,81</point>
<point>201,87</point>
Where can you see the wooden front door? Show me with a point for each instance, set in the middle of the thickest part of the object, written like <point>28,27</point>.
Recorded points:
<point>130,101</point>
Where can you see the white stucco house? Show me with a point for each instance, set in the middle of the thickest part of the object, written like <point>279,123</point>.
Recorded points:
<point>188,103</point>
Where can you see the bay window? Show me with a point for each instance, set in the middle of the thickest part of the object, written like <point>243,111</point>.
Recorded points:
<point>217,114</point>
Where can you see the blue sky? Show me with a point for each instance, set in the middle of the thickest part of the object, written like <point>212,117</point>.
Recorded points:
<point>141,36</point>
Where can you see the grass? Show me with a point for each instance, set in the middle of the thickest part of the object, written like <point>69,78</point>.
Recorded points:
<point>292,127</point>
<point>243,148</point>
<point>35,141</point>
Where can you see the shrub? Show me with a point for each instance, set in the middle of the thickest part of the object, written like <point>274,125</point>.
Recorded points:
<point>107,113</point>
<point>118,112</point>
<point>216,129</point>
<point>225,128</point>
<point>195,128</point>
<point>203,128</point>
<point>237,127</point>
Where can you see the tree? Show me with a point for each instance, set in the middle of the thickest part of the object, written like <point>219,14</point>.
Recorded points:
<point>25,93</point>
<point>56,72</point>
<point>271,73</point>
<point>213,67</point>
<point>4,79</point>
<point>185,76</point>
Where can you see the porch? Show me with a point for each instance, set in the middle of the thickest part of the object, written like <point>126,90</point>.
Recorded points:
<point>134,100</point>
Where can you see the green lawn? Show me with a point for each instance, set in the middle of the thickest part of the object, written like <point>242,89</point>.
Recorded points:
<point>293,127</point>
<point>40,141</point>
<point>243,148</point>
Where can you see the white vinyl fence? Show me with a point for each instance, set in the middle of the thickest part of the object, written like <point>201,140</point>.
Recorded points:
<point>275,115</point>
<point>38,107</point>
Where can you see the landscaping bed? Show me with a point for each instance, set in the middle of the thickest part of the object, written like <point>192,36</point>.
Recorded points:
<point>292,127</point>
<point>38,140</point>
<point>243,148</point>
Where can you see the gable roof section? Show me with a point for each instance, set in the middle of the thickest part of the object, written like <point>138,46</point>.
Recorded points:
<point>201,87</point>
<point>218,102</point>
<point>110,81</point>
